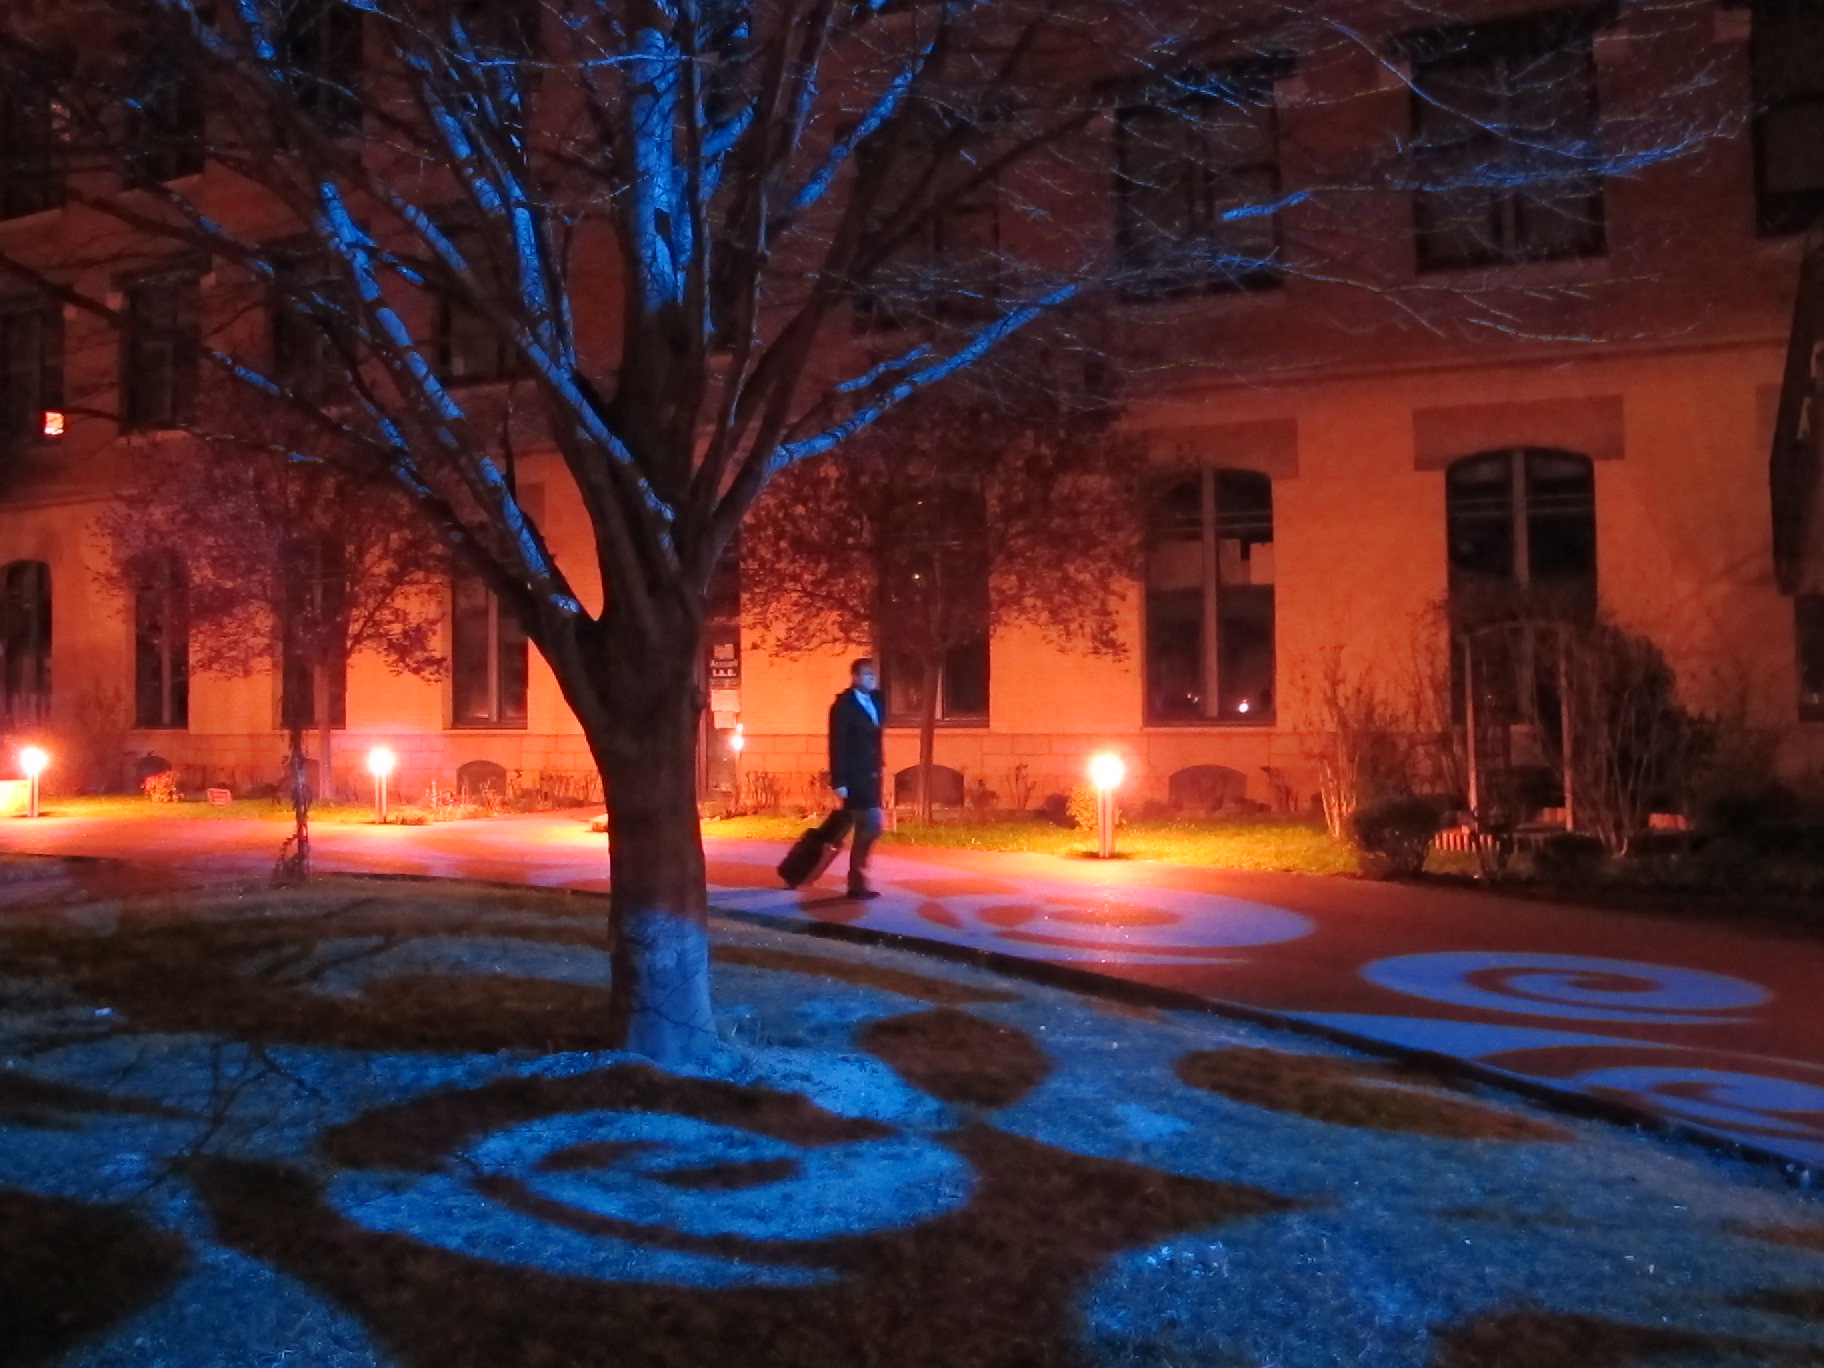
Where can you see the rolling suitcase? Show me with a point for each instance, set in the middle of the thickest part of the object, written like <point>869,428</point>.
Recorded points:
<point>812,852</point>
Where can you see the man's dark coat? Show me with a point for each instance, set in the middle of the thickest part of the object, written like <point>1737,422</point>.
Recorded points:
<point>856,753</point>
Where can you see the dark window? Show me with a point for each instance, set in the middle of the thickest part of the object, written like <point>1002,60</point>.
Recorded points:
<point>1198,176</point>
<point>31,150</point>
<point>471,347</point>
<point>160,350</point>
<point>938,222</point>
<point>1788,56</point>
<point>488,656</point>
<point>31,373</point>
<point>491,45</point>
<point>25,644</point>
<point>314,631</point>
<point>1521,527</point>
<point>1209,599</point>
<point>165,117</point>
<point>321,57</point>
<point>161,643</point>
<point>934,608</point>
<point>1808,610</point>
<point>306,295</point>
<point>1506,134</point>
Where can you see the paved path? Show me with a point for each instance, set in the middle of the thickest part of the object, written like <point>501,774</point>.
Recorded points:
<point>1713,1025</point>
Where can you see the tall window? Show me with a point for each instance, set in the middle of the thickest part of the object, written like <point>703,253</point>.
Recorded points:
<point>166,117</point>
<point>305,289</point>
<point>313,632</point>
<point>934,608</point>
<point>941,218</point>
<point>1522,534</point>
<point>1788,56</point>
<point>321,50</point>
<point>25,644</point>
<point>161,643</point>
<point>1505,136</point>
<point>160,350</point>
<point>1209,599</point>
<point>31,150</point>
<point>470,346</point>
<point>488,656</point>
<point>1198,175</point>
<point>1808,612</point>
<point>31,372</point>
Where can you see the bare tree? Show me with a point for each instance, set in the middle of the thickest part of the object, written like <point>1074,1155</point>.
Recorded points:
<point>660,216</point>
<point>1003,498</point>
<point>272,549</point>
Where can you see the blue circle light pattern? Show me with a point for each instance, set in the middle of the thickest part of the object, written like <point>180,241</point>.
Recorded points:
<point>1570,987</point>
<point>1743,1104</point>
<point>662,1174</point>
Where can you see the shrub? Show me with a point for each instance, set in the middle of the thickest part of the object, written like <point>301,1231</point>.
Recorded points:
<point>160,787</point>
<point>1569,856</point>
<point>1395,833</point>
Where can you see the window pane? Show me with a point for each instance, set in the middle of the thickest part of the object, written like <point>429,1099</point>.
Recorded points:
<point>1561,518</point>
<point>514,658</point>
<point>161,674</point>
<point>1244,646</point>
<point>1808,610</point>
<point>471,670</point>
<point>1479,497</point>
<point>161,352</point>
<point>25,643</point>
<point>966,681</point>
<point>1174,655</point>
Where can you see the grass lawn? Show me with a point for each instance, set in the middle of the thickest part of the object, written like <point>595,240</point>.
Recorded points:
<point>372,1123</point>
<point>1292,846</point>
<point>136,805</point>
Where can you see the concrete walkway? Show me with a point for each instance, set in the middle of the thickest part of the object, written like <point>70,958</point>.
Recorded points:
<point>1714,1026</point>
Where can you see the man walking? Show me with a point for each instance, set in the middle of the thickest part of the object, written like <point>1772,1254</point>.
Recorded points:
<point>856,760</point>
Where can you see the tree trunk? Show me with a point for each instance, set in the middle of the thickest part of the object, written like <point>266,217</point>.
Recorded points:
<point>645,743</point>
<point>927,736</point>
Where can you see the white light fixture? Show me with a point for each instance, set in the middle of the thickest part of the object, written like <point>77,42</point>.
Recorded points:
<point>32,761</point>
<point>1106,772</point>
<point>380,764</point>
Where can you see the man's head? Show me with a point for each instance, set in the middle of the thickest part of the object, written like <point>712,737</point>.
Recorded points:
<point>863,675</point>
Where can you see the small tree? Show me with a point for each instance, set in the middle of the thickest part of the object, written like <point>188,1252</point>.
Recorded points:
<point>267,552</point>
<point>1000,500</point>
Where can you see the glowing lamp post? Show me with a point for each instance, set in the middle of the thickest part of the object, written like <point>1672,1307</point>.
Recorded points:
<point>32,761</point>
<point>1106,772</point>
<point>736,744</point>
<point>380,764</point>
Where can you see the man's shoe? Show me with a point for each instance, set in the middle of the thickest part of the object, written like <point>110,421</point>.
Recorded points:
<point>861,893</point>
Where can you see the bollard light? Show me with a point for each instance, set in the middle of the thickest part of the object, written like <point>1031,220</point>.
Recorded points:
<point>738,742</point>
<point>380,764</point>
<point>1106,772</point>
<point>32,761</point>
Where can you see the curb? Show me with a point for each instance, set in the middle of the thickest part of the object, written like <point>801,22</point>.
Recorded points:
<point>1089,983</point>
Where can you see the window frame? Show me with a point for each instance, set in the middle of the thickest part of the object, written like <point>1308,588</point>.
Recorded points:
<point>31,373</point>
<point>168,345</point>
<point>25,643</point>
<point>323,574</point>
<point>34,163</point>
<point>1781,213</point>
<point>161,644</point>
<point>1219,627</point>
<point>1250,83</point>
<point>1501,44</point>
<point>501,637</point>
<point>1808,650</point>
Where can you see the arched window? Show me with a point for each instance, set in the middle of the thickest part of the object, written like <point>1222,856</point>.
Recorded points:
<point>1522,529</point>
<point>1522,534</point>
<point>161,643</point>
<point>1209,598</point>
<point>25,643</point>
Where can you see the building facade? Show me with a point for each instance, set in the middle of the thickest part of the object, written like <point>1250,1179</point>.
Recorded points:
<point>1565,385</point>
